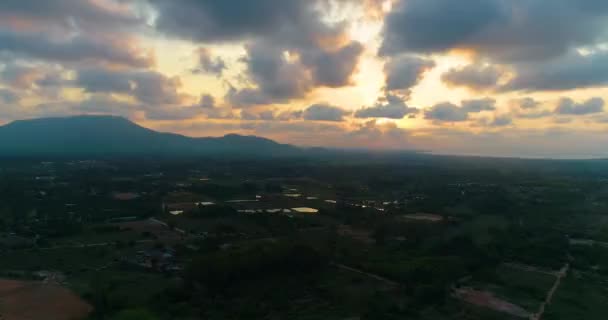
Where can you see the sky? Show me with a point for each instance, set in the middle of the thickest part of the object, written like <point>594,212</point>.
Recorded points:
<point>519,78</point>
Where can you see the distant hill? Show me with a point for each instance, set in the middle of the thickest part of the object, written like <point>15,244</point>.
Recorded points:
<point>111,136</point>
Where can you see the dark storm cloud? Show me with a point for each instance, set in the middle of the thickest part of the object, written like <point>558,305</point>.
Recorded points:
<point>148,87</point>
<point>476,77</point>
<point>70,50</point>
<point>446,112</point>
<point>391,107</point>
<point>568,106</point>
<point>502,30</point>
<point>572,71</point>
<point>324,112</point>
<point>403,73</point>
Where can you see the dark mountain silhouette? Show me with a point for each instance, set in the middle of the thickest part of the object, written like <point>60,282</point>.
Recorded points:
<point>108,136</point>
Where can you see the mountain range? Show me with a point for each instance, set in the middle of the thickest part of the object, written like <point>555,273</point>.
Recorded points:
<point>112,136</point>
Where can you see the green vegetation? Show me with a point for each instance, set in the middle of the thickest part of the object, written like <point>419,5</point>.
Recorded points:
<point>163,239</point>
<point>581,296</point>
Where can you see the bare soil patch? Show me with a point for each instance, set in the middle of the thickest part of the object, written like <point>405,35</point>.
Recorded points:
<point>161,232</point>
<point>488,300</point>
<point>364,236</point>
<point>424,217</point>
<point>21,300</point>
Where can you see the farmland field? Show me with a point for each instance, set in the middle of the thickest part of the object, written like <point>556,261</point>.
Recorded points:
<point>52,302</point>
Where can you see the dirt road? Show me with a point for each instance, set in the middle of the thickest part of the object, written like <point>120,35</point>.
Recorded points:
<point>371,275</point>
<point>562,273</point>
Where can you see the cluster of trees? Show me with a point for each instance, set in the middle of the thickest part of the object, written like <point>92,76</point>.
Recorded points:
<point>213,211</point>
<point>225,269</point>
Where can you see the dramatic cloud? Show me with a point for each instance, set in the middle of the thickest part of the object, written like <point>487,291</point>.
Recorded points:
<point>209,64</point>
<point>291,48</point>
<point>279,79</point>
<point>527,37</point>
<point>569,72</point>
<point>403,73</point>
<point>74,49</point>
<point>148,87</point>
<point>391,107</point>
<point>88,15</point>
<point>568,106</point>
<point>503,30</point>
<point>446,112</point>
<point>297,22</point>
<point>324,112</point>
<point>267,61</point>
<point>475,77</point>
<point>333,68</point>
